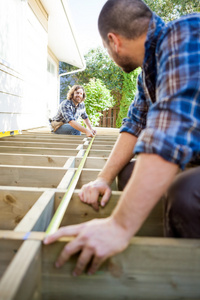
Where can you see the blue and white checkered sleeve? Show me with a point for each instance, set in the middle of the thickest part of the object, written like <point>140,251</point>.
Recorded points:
<point>135,121</point>
<point>66,111</point>
<point>173,123</point>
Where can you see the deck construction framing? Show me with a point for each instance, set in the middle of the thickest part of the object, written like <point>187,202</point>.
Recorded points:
<point>37,169</point>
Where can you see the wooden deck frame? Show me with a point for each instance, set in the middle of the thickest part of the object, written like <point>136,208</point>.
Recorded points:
<point>152,267</point>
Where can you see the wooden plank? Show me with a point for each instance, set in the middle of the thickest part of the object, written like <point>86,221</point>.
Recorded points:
<point>88,175</point>
<point>80,153</point>
<point>40,214</point>
<point>92,162</point>
<point>65,182</point>
<point>33,177</point>
<point>14,205</point>
<point>79,147</point>
<point>103,138</point>
<point>32,160</point>
<point>40,139</point>
<point>78,212</point>
<point>39,144</point>
<point>104,142</point>
<point>100,147</point>
<point>70,163</point>
<point>8,248</point>
<point>7,235</point>
<point>49,135</point>
<point>41,151</point>
<point>150,268</point>
<point>22,278</point>
<point>99,153</point>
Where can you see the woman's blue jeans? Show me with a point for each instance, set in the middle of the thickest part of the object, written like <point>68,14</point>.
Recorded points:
<point>67,129</point>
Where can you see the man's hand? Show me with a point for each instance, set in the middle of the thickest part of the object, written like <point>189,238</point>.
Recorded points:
<point>91,191</point>
<point>89,133</point>
<point>94,132</point>
<point>97,240</point>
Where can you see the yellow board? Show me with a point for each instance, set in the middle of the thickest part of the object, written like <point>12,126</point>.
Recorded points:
<point>8,133</point>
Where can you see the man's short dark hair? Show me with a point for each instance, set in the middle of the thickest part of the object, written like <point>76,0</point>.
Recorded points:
<point>129,18</point>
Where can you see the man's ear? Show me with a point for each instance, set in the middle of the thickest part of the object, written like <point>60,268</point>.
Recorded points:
<point>114,41</point>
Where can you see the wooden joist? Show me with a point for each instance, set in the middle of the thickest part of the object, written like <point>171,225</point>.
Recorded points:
<point>36,170</point>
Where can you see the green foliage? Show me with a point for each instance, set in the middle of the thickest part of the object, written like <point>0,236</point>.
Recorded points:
<point>128,95</point>
<point>173,9</point>
<point>98,98</point>
<point>100,66</point>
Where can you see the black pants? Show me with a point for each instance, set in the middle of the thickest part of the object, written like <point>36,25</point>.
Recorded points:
<point>182,202</point>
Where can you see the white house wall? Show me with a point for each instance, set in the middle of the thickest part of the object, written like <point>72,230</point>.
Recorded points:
<point>11,48</point>
<point>35,73</point>
<point>23,67</point>
<point>52,86</point>
<point>33,34</point>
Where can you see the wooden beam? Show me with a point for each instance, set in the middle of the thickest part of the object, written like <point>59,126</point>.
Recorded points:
<point>92,162</point>
<point>8,248</point>
<point>65,182</point>
<point>39,144</point>
<point>100,147</point>
<point>41,151</point>
<point>150,268</point>
<point>90,175</point>
<point>79,212</point>
<point>70,163</point>
<point>22,278</point>
<point>34,177</point>
<point>14,205</point>
<point>99,153</point>
<point>32,160</point>
<point>40,214</point>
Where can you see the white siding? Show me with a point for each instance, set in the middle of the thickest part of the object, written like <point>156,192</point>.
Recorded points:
<point>23,67</point>
<point>52,87</point>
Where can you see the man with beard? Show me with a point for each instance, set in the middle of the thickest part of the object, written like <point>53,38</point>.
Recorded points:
<point>65,121</point>
<point>162,128</point>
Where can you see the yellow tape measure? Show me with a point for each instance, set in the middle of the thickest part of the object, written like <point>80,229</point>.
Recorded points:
<point>58,216</point>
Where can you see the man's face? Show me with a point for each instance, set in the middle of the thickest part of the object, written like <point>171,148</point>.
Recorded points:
<point>78,96</point>
<point>125,62</point>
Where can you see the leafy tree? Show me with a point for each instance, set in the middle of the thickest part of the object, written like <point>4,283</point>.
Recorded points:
<point>98,98</point>
<point>173,9</point>
<point>99,66</point>
<point>128,94</point>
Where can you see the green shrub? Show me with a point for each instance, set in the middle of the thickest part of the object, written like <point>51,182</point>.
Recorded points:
<point>98,98</point>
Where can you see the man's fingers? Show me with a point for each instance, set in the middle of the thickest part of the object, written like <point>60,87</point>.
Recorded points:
<point>89,194</point>
<point>83,261</point>
<point>70,249</point>
<point>105,197</point>
<point>63,231</point>
<point>95,205</point>
<point>96,263</point>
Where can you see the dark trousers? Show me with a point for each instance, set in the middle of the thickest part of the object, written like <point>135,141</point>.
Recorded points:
<point>182,202</point>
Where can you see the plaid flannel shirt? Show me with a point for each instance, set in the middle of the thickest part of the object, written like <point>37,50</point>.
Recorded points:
<point>165,114</point>
<point>68,111</point>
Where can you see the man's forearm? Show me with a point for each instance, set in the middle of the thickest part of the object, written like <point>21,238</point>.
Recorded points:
<point>77,126</point>
<point>151,177</point>
<point>87,122</point>
<point>121,154</point>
